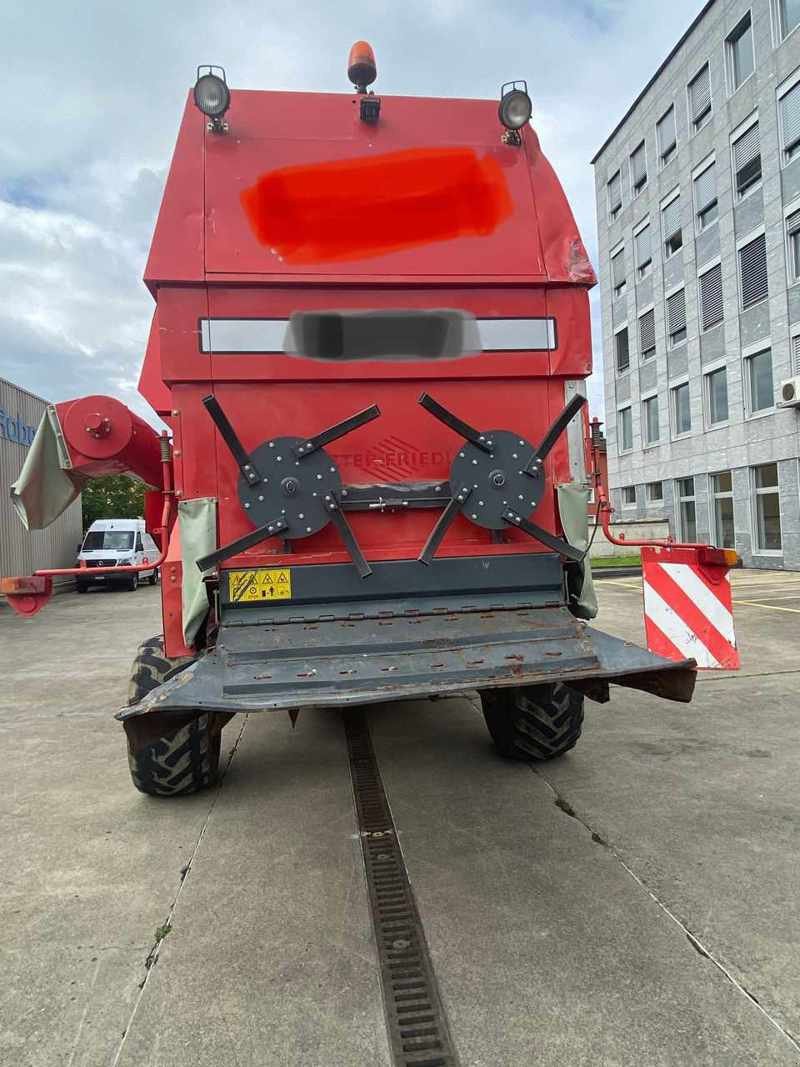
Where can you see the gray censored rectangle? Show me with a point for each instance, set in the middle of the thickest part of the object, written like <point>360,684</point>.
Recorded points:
<point>267,336</point>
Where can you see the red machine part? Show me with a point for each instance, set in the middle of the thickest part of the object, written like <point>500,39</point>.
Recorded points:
<point>105,437</point>
<point>27,595</point>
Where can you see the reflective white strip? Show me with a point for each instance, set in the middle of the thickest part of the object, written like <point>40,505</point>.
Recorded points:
<point>517,335</point>
<point>672,626</point>
<point>268,335</point>
<point>705,601</point>
<point>243,335</point>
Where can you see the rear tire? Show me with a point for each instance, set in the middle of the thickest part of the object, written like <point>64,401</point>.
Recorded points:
<point>153,579</point>
<point>537,722</point>
<point>169,755</point>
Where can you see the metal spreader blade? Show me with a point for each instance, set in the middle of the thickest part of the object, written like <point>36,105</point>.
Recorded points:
<point>469,433</point>
<point>228,435</point>
<point>557,544</point>
<point>443,523</point>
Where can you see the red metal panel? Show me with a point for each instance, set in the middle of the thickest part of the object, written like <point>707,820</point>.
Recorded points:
<point>271,131</point>
<point>176,253</point>
<point>151,379</point>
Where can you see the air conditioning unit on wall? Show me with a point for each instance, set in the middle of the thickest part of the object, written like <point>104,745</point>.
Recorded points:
<point>790,393</point>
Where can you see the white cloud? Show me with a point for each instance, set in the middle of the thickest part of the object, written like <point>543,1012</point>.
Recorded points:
<point>97,94</point>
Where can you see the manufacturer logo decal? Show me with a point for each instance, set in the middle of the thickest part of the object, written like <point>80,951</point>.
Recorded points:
<point>394,460</point>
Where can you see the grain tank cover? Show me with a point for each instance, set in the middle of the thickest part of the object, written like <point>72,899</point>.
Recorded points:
<point>300,188</point>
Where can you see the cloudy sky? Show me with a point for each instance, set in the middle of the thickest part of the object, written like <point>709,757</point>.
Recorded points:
<point>94,91</point>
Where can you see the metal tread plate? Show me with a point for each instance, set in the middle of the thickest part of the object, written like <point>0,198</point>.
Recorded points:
<point>344,661</point>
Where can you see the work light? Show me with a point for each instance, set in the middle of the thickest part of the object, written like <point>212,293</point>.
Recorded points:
<point>211,93</point>
<point>515,105</point>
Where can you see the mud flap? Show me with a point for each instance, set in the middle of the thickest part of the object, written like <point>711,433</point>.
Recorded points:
<point>343,659</point>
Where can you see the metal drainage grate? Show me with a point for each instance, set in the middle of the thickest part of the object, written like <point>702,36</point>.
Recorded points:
<point>418,1032</point>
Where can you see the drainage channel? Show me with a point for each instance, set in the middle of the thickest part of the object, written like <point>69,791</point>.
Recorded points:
<point>417,1025</point>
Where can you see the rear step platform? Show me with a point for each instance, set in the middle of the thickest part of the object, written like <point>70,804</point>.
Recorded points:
<point>396,652</point>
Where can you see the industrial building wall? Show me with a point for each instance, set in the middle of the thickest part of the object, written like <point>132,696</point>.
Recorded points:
<point>22,552</point>
<point>698,205</point>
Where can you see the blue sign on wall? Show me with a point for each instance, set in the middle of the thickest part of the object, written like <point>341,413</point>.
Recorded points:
<point>14,429</point>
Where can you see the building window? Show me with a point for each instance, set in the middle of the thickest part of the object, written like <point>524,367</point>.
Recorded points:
<point>622,350</point>
<point>739,49</point>
<point>747,160</point>
<point>705,198</point>
<point>700,98</point>
<point>717,396</point>
<point>638,169</point>
<point>722,494</point>
<point>629,496</point>
<point>671,227</point>
<point>711,297</point>
<point>652,430</point>
<point>793,239</point>
<point>615,195</point>
<point>644,256</point>
<point>768,508</point>
<point>655,492</point>
<point>647,334</point>
<point>753,271</point>
<point>676,318</point>
<point>687,514</point>
<point>665,133</point>
<point>789,108</point>
<point>788,16</point>
<point>796,354</point>
<point>625,429</point>
<point>618,272</point>
<point>759,381</point>
<point>681,409</point>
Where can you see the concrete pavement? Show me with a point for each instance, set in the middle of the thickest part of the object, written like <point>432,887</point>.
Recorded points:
<point>633,903</point>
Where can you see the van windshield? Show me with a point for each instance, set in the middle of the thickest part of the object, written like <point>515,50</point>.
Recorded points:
<point>109,540</point>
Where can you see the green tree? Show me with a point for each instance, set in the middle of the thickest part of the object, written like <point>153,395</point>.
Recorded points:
<point>114,497</point>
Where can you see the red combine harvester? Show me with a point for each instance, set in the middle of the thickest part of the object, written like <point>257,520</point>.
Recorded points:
<point>369,344</point>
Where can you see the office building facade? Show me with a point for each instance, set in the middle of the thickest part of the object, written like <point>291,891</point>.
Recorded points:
<point>698,206</point>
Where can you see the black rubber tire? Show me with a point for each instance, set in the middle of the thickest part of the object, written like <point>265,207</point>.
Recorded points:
<point>537,722</point>
<point>132,583</point>
<point>81,587</point>
<point>169,755</point>
<point>153,579</point>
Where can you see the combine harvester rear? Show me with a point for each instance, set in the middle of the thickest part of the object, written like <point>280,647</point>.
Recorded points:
<point>370,341</point>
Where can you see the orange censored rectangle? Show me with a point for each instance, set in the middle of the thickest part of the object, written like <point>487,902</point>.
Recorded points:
<point>359,208</point>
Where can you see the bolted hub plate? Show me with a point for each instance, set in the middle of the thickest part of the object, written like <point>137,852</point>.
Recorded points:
<point>291,489</point>
<point>496,479</point>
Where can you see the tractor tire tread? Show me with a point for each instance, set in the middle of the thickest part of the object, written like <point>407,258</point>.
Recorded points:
<point>185,758</point>
<point>538,722</point>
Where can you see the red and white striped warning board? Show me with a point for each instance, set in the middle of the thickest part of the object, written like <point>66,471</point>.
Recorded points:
<point>688,608</point>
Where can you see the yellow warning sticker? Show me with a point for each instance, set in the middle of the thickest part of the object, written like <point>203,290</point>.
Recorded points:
<point>247,586</point>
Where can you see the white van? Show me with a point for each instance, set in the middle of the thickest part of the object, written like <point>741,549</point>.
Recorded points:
<point>116,543</point>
